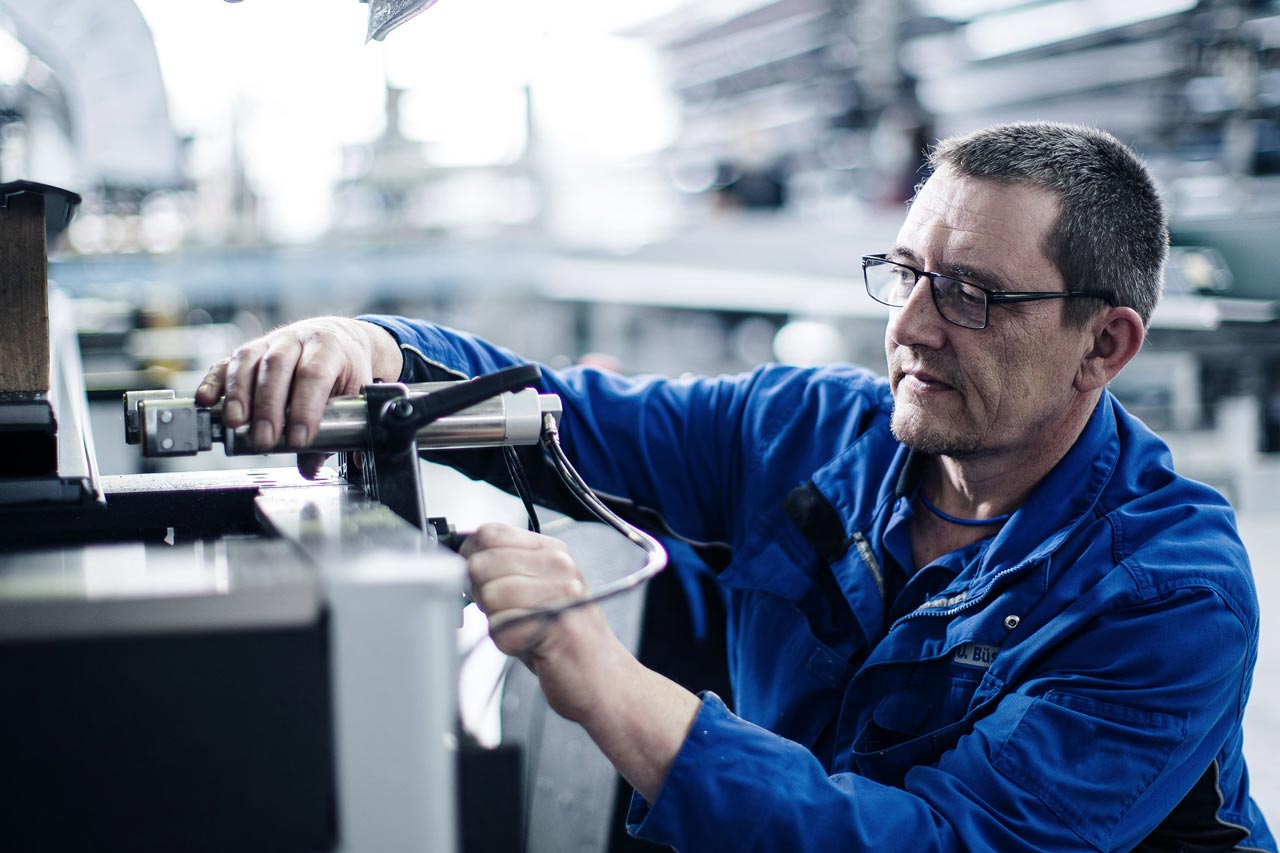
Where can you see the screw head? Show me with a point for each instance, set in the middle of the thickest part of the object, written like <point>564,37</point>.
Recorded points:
<point>166,444</point>
<point>166,417</point>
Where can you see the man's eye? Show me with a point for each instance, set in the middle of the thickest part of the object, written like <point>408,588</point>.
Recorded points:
<point>970,295</point>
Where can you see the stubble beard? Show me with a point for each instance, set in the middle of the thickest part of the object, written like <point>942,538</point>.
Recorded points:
<point>921,430</point>
<point>916,430</point>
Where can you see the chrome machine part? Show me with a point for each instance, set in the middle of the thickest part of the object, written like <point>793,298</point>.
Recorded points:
<point>379,432</point>
<point>165,425</point>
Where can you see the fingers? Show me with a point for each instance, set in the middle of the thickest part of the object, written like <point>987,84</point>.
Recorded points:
<point>210,390</point>
<point>513,572</point>
<point>495,535</point>
<point>513,596</point>
<point>324,367</point>
<point>280,383</point>
<point>495,551</point>
<point>240,378</point>
<point>520,579</point>
<point>495,563</point>
<point>273,378</point>
<point>309,464</point>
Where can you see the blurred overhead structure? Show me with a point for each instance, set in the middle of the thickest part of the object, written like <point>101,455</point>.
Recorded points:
<point>91,75</point>
<point>815,105</point>
<point>386,15</point>
<point>392,189</point>
<point>83,105</point>
<point>1172,76</point>
<point>828,83</point>
<point>802,102</point>
<point>775,90</point>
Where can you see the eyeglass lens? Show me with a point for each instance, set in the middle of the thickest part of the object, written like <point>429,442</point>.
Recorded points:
<point>958,302</point>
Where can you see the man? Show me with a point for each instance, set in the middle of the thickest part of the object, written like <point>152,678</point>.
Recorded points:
<point>970,607</point>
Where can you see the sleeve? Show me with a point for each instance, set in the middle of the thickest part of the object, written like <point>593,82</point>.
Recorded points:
<point>1073,758</point>
<point>679,449</point>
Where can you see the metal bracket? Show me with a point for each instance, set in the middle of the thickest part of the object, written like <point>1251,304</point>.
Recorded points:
<point>391,466</point>
<point>392,475</point>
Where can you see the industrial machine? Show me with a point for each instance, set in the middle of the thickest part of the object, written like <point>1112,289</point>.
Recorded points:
<point>250,660</point>
<point>244,659</point>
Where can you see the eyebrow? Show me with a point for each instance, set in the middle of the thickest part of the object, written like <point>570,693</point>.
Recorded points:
<point>977,275</point>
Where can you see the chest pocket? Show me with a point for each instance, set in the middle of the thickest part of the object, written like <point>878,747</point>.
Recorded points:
<point>924,709</point>
<point>934,675</point>
<point>792,638</point>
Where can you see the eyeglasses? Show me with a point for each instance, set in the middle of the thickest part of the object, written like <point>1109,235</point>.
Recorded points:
<point>961,303</point>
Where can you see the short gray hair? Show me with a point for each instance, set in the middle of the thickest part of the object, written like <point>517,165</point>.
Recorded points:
<point>1110,233</point>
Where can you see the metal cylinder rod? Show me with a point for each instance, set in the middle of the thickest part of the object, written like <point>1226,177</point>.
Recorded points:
<point>511,418</point>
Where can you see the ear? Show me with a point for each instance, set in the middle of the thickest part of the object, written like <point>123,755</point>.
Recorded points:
<point>1117,335</point>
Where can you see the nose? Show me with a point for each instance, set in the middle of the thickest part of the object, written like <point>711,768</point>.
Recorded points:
<point>917,322</point>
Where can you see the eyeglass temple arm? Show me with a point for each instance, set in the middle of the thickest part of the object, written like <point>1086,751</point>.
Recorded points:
<point>1031,296</point>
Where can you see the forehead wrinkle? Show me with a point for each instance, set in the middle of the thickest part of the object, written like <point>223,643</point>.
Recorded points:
<point>954,223</point>
<point>957,267</point>
<point>989,226</point>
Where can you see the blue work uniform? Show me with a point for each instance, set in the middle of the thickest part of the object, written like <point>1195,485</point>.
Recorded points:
<point>1076,681</point>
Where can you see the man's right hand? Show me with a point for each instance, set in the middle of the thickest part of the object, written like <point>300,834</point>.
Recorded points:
<point>281,381</point>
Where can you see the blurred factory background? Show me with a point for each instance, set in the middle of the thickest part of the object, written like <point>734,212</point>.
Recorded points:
<point>677,186</point>
<point>681,187</point>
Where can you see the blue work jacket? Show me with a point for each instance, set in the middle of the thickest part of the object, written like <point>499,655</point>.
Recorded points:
<point>1074,682</point>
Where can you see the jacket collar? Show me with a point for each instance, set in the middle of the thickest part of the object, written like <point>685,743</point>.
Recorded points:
<point>1065,497</point>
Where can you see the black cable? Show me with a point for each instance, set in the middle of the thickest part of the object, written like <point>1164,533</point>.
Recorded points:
<point>656,562</point>
<point>520,481</point>
<point>657,554</point>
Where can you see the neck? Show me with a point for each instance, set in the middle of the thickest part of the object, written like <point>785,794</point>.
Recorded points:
<point>983,486</point>
<point>997,481</point>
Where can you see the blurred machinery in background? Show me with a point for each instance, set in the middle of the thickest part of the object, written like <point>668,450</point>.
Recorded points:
<point>803,123</point>
<point>84,106</point>
<point>857,87</point>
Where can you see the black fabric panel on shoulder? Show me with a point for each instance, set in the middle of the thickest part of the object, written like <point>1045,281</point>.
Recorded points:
<point>818,521</point>
<point>1195,826</point>
<point>716,555</point>
<point>418,368</point>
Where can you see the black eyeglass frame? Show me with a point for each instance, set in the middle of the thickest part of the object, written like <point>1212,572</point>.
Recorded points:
<point>991,297</point>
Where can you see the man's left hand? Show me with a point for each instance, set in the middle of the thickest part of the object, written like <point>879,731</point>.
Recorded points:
<point>513,572</point>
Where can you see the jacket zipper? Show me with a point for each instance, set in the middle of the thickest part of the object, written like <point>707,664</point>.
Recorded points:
<point>967,604</point>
